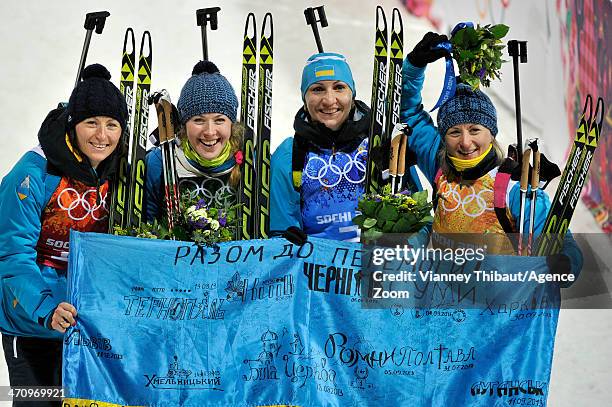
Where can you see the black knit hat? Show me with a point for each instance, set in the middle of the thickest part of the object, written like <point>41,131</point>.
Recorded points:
<point>95,95</point>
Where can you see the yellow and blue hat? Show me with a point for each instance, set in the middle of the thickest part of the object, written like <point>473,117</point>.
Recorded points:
<point>326,66</point>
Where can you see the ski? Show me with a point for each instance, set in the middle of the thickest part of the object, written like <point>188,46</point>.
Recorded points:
<point>248,97</point>
<point>264,121</point>
<point>118,213</point>
<point>377,136</point>
<point>139,136</point>
<point>573,177</point>
<point>394,95</point>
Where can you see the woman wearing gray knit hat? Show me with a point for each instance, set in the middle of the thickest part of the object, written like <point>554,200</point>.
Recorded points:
<point>59,185</point>
<point>463,161</point>
<point>208,156</point>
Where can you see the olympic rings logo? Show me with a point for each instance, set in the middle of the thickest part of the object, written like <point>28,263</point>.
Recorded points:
<point>338,167</point>
<point>453,195</point>
<point>79,207</point>
<point>223,197</point>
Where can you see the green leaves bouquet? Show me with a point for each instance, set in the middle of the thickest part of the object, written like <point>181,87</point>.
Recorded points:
<point>478,52</point>
<point>392,213</point>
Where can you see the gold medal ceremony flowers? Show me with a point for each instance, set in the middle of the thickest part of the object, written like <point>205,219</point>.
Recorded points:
<point>197,223</point>
<point>392,213</point>
<point>478,52</point>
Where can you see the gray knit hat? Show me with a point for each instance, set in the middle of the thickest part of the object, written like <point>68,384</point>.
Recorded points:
<point>207,91</point>
<point>467,106</point>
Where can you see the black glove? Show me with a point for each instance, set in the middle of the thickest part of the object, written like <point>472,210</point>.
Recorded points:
<point>295,235</point>
<point>558,264</point>
<point>425,52</point>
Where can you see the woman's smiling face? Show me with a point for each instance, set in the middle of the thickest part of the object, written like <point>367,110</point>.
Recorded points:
<point>329,102</point>
<point>467,141</point>
<point>208,133</point>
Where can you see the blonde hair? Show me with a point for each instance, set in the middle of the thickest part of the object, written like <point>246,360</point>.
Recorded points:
<point>235,140</point>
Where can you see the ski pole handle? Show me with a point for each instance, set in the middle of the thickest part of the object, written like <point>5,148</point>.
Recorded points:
<point>312,21</point>
<point>525,170</point>
<point>401,166</point>
<point>394,154</point>
<point>95,20</point>
<point>535,171</point>
<point>203,16</point>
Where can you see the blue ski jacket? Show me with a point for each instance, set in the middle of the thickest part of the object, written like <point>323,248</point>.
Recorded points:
<point>30,292</point>
<point>48,192</point>
<point>329,178</point>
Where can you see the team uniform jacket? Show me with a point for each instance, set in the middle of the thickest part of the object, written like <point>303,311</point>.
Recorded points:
<point>330,181</point>
<point>39,206</point>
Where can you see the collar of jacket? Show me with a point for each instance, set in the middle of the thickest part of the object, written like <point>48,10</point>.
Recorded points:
<point>62,162</point>
<point>487,164</point>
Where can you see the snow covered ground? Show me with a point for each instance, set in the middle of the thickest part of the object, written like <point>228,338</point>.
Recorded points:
<point>41,45</point>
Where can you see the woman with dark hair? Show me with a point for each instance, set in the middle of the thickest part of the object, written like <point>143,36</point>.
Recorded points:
<point>61,184</point>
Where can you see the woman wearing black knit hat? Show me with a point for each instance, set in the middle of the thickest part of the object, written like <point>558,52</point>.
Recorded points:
<point>475,190</point>
<point>61,184</point>
<point>208,155</point>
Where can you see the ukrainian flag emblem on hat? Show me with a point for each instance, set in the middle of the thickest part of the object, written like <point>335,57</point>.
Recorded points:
<point>23,191</point>
<point>325,70</point>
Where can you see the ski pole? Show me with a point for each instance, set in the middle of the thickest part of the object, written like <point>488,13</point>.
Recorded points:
<point>163,105</point>
<point>524,182</point>
<point>93,21</point>
<point>203,16</point>
<point>535,181</point>
<point>312,20</point>
<point>518,49</point>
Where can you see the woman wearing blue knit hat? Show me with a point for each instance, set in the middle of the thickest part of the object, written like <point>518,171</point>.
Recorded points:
<point>474,190</point>
<point>208,156</point>
<point>318,176</point>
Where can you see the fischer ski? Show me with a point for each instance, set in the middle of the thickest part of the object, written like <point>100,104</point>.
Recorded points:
<point>248,100</point>
<point>264,122</point>
<point>118,212</point>
<point>254,195</point>
<point>378,136</point>
<point>139,136</point>
<point>573,177</point>
<point>385,104</point>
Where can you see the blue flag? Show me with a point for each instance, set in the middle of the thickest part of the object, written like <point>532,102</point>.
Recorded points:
<point>265,322</point>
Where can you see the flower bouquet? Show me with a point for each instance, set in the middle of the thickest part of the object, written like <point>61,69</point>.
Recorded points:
<point>478,52</point>
<point>392,213</point>
<point>197,223</point>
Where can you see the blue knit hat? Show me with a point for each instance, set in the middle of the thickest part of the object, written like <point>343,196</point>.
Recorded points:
<point>467,106</point>
<point>326,66</point>
<point>207,91</point>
